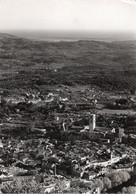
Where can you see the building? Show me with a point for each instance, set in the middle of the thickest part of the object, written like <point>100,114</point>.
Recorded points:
<point>1,145</point>
<point>92,122</point>
<point>119,133</point>
<point>92,132</point>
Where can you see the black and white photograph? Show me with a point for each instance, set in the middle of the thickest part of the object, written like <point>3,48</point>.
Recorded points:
<point>68,96</point>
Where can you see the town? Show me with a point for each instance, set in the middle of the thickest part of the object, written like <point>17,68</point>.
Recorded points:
<point>68,140</point>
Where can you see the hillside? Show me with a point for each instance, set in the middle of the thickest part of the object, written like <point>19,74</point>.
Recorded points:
<point>34,64</point>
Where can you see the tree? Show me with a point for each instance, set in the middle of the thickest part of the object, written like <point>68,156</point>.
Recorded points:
<point>115,179</point>
<point>99,183</point>
<point>106,183</point>
<point>125,176</point>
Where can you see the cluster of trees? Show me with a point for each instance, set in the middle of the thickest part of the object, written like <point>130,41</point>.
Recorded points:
<point>119,178</point>
<point>108,182</point>
<point>131,189</point>
<point>104,183</point>
<point>112,180</point>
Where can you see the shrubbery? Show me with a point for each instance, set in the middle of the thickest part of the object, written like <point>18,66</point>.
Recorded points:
<point>30,185</point>
<point>118,178</point>
<point>130,190</point>
<point>22,186</point>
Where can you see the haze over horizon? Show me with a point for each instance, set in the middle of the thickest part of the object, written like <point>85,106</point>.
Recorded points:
<point>116,16</point>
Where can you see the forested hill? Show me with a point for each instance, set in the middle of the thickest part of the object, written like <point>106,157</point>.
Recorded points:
<point>34,64</point>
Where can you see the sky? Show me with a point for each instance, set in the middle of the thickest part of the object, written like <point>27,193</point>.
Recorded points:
<point>85,15</point>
